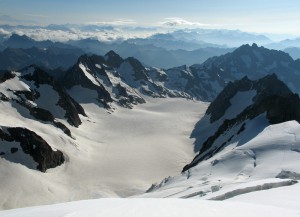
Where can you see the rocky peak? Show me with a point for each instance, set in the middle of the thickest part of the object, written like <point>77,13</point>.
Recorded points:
<point>266,86</point>
<point>138,68</point>
<point>253,61</point>
<point>84,73</point>
<point>276,54</point>
<point>273,98</point>
<point>113,59</point>
<point>6,75</point>
<point>17,38</point>
<point>23,41</point>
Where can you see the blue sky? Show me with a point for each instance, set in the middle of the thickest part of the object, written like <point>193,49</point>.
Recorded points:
<point>252,15</point>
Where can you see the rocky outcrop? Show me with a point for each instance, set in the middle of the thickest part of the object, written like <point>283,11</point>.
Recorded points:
<point>255,62</point>
<point>38,113</point>
<point>76,76</point>
<point>6,75</point>
<point>138,68</point>
<point>33,145</point>
<point>273,99</point>
<point>71,107</point>
<point>113,59</point>
<point>100,74</point>
<point>264,87</point>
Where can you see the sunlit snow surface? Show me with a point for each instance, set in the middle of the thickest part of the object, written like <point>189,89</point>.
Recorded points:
<point>153,208</point>
<point>114,154</point>
<point>121,153</point>
<point>247,162</point>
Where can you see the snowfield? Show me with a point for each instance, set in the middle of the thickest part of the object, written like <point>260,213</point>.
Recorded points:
<point>154,207</point>
<point>114,154</point>
<point>121,152</point>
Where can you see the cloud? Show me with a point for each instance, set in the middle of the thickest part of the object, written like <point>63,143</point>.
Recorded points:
<point>75,33</point>
<point>176,21</point>
<point>36,15</point>
<point>4,32</point>
<point>118,22</point>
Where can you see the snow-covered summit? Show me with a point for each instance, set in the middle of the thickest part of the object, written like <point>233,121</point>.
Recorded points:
<point>238,106</point>
<point>128,81</point>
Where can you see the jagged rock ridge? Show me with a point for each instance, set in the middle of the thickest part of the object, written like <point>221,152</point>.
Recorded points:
<point>272,99</point>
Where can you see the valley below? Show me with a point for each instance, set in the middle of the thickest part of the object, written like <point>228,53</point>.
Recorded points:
<point>149,109</point>
<point>114,154</point>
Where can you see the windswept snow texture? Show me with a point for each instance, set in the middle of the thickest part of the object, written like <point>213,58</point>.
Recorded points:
<point>243,166</point>
<point>112,155</point>
<point>154,207</point>
<point>239,176</point>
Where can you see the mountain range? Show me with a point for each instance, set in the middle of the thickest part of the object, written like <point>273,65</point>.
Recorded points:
<point>162,50</point>
<point>97,126</point>
<point>294,52</point>
<point>189,39</point>
<point>149,54</point>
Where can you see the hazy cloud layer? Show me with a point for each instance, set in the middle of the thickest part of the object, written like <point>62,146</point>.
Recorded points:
<point>37,15</point>
<point>4,32</point>
<point>118,22</point>
<point>65,33</point>
<point>176,21</point>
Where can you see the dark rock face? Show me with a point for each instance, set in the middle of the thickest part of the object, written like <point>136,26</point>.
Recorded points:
<point>72,108</point>
<point>35,146</point>
<point>273,98</point>
<point>6,75</point>
<point>126,100</point>
<point>255,62</point>
<point>36,112</point>
<point>75,76</point>
<point>41,114</point>
<point>113,59</point>
<point>3,97</point>
<point>104,79</point>
<point>138,68</point>
<point>265,87</point>
<point>208,79</point>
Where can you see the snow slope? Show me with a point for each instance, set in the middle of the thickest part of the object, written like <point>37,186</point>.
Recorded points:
<point>249,144</point>
<point>235,182</point>
<point>245,161</point>
<point>153,207</point>
<point>111,155</point>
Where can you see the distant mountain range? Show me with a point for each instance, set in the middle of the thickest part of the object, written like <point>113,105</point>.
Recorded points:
<point>293,51</point>
<point>148,54</point>
<point>163,50</point>
<point>287,43</point>
<point>49,57</point>
<point>200,81</point>
<point>199,38</point>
